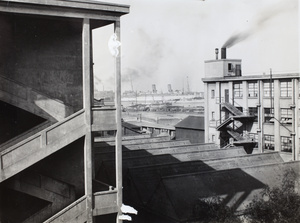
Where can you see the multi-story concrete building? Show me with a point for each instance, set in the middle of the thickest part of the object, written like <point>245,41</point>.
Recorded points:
<point>257,110</point>
<point>48,151</point>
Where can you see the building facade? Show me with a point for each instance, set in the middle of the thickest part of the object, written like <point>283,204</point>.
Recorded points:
<point>252,111</point>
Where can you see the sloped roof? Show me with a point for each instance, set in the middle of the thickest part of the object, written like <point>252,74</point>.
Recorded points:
<point>130,125</point>
<point>191,122</point>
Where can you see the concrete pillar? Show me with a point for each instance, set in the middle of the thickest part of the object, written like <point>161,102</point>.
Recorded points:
<point>231,96</point>
<point>119,184</point>
<point>206,112</point>
<point>296,121</point>
<point>87,104</point>
<point>260,116</point>
<point>217,102</point>
<point>245,97</point>
<point>217,110</point>
<point>276,106</point>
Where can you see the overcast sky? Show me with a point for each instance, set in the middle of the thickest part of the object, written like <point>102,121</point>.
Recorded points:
<point>167,41</point>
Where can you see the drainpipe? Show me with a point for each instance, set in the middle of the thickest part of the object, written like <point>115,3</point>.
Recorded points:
<point>293,133</point>
<point>260,118</point>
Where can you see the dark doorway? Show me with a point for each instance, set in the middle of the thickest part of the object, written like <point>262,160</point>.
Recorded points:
<point>227,95</point>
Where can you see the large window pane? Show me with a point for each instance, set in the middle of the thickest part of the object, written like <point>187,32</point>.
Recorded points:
<point>268,89</point>
<point>269,115</point>
<point>286,144</point>
<point>269,142</point>
<point>286,88</point>
<point>237,90</point>
<point>252,89</point>
<point>286,115</point>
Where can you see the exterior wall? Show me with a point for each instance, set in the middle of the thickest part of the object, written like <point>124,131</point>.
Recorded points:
<point>195,136</point>
<point>206,112</point>
<point>45,55</point>
<point>214,68</point>
<point>212,105</point>
<point>219,68</point>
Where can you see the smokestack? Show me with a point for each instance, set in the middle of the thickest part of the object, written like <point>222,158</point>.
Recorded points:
<point>217,52</point>
<point>223,53</point>
<point>154,89</point>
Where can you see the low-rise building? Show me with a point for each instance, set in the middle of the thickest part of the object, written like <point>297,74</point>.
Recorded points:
<point>191,128</point>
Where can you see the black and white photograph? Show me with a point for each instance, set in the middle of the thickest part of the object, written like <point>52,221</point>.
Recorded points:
<point>149,111</point>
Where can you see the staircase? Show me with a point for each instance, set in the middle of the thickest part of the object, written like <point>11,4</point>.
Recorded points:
<point>47,196</point>
<point>225,123</point>
<point>21,152</point>
<point>233,124</point>
<point>232,109</point>
<point>58,201</point>
<point>239,138</point>
<point>54,200</point>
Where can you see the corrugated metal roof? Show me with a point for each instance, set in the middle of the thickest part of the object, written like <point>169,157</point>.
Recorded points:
<point>191,122</point>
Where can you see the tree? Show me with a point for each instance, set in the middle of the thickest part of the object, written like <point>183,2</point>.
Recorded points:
<point>277,204</point>
<point>213,210</point>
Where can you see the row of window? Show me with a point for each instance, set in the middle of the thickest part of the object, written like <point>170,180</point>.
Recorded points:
<point>268,89</point>
<point>286,115</point>
<point>286,143</point>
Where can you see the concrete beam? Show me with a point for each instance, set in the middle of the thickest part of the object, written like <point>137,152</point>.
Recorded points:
<point>71,9</point>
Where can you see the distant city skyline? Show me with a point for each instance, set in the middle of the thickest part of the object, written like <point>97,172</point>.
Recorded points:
<point>166,41</point>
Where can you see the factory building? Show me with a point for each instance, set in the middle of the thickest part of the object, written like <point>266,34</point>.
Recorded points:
<point>49,120</point>
<point>251,111</point>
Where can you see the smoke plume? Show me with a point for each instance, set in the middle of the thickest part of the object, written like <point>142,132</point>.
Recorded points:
<point>130,74</point>
<point>262,20</point>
